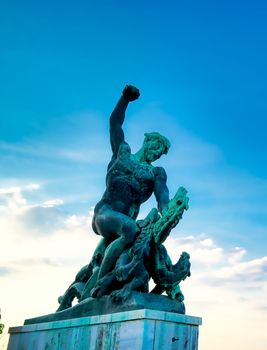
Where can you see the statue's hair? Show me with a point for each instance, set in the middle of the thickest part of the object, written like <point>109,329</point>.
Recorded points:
<point>157,136</point>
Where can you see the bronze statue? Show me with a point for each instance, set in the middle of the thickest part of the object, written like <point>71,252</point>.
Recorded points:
<point>131,251</point>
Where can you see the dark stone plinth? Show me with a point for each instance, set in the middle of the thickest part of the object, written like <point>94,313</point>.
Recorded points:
<point>104,305</point>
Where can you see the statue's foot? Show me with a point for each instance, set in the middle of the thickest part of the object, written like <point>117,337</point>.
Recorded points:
<point>96,292</point>
<point>174,292</point>
<point>99,290</point>
<point>64,305</point>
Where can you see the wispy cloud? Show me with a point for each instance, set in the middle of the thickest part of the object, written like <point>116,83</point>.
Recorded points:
<point>46,241</point>
<point>217,267</point>
<point>52,203</point>
<point>224,285</point>
<point>253,270</point>
<point>42,150</point>
<point>5,271</point>
<point>79,138</point>
<point>29,262</point>
<point>222,278</point>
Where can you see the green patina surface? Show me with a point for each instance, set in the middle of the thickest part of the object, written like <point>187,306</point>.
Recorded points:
<point>131,251</point>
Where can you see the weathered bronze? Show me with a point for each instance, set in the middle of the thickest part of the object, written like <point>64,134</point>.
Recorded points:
<point>131,251</point>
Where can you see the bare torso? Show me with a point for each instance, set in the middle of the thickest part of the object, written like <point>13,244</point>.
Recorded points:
<point>129,183</point>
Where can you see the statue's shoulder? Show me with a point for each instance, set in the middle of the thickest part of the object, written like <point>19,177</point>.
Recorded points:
<point>124,153</point>
<point>160,172</point>
<point>124,150</point>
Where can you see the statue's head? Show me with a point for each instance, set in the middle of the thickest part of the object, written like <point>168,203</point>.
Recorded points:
<point>154,146</point>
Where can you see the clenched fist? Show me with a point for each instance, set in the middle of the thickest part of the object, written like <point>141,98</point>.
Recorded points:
<point>131,93</point>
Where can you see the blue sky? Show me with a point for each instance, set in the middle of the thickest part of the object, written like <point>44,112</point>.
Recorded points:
<point>201,68</point>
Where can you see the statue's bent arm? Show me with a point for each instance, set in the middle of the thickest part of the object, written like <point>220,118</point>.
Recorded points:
<point>115,125</point>
<point>160,188</point>
<point>130,93</point>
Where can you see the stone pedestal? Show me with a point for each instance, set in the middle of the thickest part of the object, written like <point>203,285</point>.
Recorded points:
<point>130,330</point>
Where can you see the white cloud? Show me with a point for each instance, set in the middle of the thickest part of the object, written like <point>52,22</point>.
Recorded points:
<point>219,264</point>
<point>43,266</point>
<point>72,140</point>
<point>32,187</point>
<point>41,150</point>
<point>38,267</point>
<point>12,200</point>
<point>226,290</point>
<point>236,255</point>
<point>40,218</point>
<point>205,250</point>
<point>43,246</point>
<point>52,203</point>
<point>252,270</point>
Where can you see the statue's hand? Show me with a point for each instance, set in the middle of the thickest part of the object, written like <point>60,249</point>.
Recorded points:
<point>131,93</point>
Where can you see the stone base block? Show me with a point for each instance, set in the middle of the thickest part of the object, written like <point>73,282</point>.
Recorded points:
<point>131,330</point>
<point>105,305</point>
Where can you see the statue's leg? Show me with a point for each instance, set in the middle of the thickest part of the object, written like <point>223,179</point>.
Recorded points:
<point>158,289</point>
<point>81,278</point>
<point>90,285</point>
<point>135,284</point>
<point>138,281</point>
<point>95,262</point>
<point>99,252</point>
<point>103,285</point>
<point>119,227</point>
<point>112,253</point>
<point>74,291</point>
<point>123,266</point>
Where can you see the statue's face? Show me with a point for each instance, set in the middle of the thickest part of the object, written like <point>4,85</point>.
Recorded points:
<point>153,150</point>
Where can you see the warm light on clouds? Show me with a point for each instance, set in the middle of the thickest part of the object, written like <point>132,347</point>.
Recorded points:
<point>47,234</point>
<point>201,70</point>
<point>38,257</point>
<point>229,297</point>
<point>39,265</point>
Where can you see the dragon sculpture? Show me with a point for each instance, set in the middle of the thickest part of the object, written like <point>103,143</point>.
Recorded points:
<point>146,258</point>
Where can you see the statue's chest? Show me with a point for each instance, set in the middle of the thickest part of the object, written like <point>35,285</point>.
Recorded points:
<point>141,173</point>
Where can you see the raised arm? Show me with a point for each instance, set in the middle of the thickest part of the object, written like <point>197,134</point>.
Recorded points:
<point>130,93</point>
<point>160,188</point>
